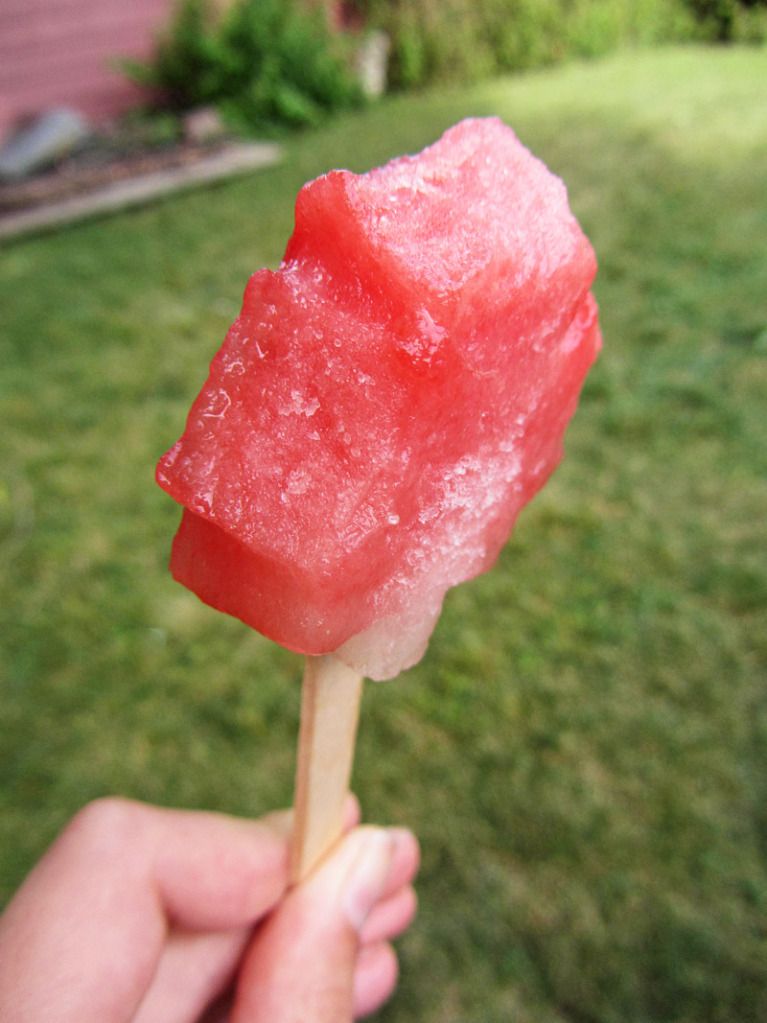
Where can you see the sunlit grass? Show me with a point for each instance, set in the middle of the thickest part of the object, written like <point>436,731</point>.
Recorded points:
<point>583,751</point>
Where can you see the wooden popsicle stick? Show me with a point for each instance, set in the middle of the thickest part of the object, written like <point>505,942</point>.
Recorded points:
<point>330,701</point>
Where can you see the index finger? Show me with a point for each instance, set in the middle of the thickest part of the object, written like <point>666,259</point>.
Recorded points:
<point>82,937</point>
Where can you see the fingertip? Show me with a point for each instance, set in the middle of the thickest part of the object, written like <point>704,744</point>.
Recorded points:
<point>306,961</point>
<point>218,872</point>
<point>391,917</point>
<point>375,978</point>
<point>352,812</point>
<point>406,859</point>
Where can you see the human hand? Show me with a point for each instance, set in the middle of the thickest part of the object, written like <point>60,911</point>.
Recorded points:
<point>142,915</point>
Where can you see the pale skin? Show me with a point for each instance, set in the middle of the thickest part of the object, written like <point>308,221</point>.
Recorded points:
<point>142,915</point>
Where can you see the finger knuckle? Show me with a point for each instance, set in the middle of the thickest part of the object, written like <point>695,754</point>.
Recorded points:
<point>104,824</point>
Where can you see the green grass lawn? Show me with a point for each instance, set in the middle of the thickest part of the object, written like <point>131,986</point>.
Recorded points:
<point>583,751</point>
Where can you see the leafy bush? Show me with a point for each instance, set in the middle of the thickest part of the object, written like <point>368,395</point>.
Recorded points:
<point>436,40</point>
<point>265,63</point>
<point>595,27</point>
<point>731,20</point>
<point>750,24</point>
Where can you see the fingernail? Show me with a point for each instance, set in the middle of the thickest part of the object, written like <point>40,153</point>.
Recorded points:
<point>367,877</point>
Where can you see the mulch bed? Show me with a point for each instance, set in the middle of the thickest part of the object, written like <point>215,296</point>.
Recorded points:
<point>94,167</point>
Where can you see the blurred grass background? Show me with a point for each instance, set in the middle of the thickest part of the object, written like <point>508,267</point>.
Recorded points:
<point>583,751</point>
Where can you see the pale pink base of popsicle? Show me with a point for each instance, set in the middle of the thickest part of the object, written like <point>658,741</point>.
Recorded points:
<point>330,702</point>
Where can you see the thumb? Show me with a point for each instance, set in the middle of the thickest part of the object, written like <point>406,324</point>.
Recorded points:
<point>301,964</point>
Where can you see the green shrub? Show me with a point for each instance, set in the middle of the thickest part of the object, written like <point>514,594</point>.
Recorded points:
<point>466,39</point>
<point>595,27</point>
<point>524,33</point>
<point>183,66</point>
<point>265,63</point>
<point>714,16</point>
<point>730,20</point>
<point>750,24</point>
<point>432,40</point>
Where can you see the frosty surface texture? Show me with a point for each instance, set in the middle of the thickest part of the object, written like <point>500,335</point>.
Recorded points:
<point>388,400</point>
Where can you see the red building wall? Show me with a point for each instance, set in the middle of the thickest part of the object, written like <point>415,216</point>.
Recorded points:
<point>62,53</point>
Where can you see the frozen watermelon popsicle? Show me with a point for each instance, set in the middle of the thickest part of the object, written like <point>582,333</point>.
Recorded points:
<point>381,410</point>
